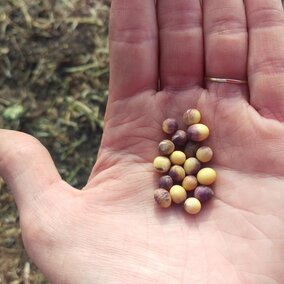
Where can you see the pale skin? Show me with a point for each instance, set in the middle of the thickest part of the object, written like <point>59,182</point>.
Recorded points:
<point>112,231</point>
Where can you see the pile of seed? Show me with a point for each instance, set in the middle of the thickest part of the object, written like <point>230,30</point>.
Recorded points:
<point>183,161</point>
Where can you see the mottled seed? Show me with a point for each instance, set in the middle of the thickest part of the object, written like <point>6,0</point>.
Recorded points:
<point>177,173</point>
<point>177,158</point>
<point>170,126</point>
<point>162,164</point>
<point>191,116</point>
<point>178,194</point>
<point>190,149</point>
<point>203,193</point>
<point>192,205</point>
<point>206,176</point>
<point>166,182</point>
<point>189,183</point>
<point>204,154</point>
<point>198,132</point>
<point>162,197</point>
<point>180,138</point>
<point>191,166</point>
<point>166,147</point>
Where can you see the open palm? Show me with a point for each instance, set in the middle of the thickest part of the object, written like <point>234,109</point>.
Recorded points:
<point>112,232</point>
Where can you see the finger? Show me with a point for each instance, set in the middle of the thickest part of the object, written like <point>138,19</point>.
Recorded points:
<point>26,166</point>
<point>266,56</point>
<point>181,43</point>
<point>226,39</point>
<point>133,47</point>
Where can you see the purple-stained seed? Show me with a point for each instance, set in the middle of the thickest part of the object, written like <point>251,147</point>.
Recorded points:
<point>191,116</point>
<point>191,148</point>
<point>170,126</point>
<point>198,132</point>
<point>177,173</point>
<point>162,197</point>
<point>203,193</point>
<point>166,147</point>
<point>180,138</point>
<point>192,166</point>
<point>166,182</point>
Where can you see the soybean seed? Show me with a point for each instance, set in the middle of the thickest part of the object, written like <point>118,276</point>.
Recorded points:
<point>166,182</point>
<point>191,166</point>
<point>192,205</point>
<point>162,197</point>
<point>206,176</point>
<point>191,116</point>
<point>203,193</point>
<point>162,164</point>
<point>170,126</point>
<point>177,158</point>
<point>190,149</point>
<point>177,173</point>
<point>204,154</point>
<point>198,132</point>
<point>166,147</point>
<point>178,194</point>
<point>180,138</point>
<point>189,183</point>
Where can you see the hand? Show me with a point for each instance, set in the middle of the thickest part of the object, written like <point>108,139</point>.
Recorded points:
<point>112,232</point>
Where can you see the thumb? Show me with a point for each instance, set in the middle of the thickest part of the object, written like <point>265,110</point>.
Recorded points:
<point>26,167</point>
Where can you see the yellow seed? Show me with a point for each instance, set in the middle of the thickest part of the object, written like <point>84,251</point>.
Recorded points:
<point>198,132</point>
<point>191,166</point>
<point>189,183</point>
<point>206,176</point>
<point>162,197</point>
<point>192,205</point>
<point>178,158</point>
<point>191,116</point>
<point>204,154</point>
<point>178,194</point>
<point>162,164</point>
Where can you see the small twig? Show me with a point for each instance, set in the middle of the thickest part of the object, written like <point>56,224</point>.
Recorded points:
<point>26,273</point>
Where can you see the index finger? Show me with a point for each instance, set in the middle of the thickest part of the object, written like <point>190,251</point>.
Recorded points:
<point>133,47</point>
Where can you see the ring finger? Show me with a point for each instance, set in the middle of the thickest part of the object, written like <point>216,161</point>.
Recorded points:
<point>226,39</point>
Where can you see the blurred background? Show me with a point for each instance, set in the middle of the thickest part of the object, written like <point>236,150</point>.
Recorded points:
<point>53,85</point>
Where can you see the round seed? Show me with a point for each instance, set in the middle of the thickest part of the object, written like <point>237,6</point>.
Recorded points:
<point>166,147</point>
<point>198,132</point>
<point>166,182</point>
<point>178,158</point>
<point>177,173</point>
<point>206,176</point>
<point>170,126</point>
<point>162,164</point>
<point>191,116</point>
<point>178,194</point>
<point>204,154</point>
<point>162,197</point>
<point>203,193</point>
<point>180,138</point>
<point>189,183</point>
<point>191,166</point>
<point>192,205</point>
<point>190,149</point>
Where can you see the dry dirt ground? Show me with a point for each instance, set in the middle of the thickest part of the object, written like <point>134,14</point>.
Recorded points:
<point>53,85</point>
